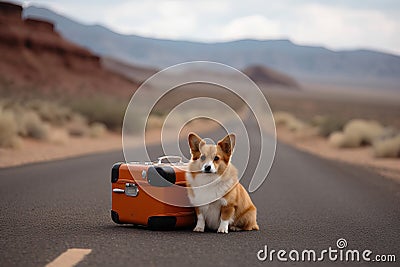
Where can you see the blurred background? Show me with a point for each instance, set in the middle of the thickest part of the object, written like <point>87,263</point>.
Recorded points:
<point>329,70</point>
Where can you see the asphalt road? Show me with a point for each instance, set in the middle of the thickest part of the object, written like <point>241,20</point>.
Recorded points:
<point>306,203</point>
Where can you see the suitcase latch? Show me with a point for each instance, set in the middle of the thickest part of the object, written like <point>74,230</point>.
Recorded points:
<point>131,189</point>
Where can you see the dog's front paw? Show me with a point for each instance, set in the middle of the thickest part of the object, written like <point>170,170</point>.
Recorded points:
<point>198,229</point>
<point>223,229</point>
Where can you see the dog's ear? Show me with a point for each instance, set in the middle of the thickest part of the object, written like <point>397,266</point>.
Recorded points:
<point>195,142</point>
<point>227,144</point>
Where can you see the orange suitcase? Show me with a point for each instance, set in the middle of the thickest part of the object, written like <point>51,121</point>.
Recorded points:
<point>137,189</point>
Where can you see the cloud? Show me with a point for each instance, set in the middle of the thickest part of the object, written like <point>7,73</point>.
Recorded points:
<point>254,26</point>
<point>165,19</point>
<point>341,24</point>
<point>339,27</point>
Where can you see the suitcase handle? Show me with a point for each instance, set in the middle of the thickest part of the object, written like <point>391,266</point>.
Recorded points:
<point>160,159</point>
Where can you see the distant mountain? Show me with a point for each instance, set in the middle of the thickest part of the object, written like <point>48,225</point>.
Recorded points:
<point>265,76</point>
<point>310,63</point>
<point>136,73</point>
<point>34,56</point>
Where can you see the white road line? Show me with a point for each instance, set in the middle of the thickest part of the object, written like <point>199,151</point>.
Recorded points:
<point>69,258</point>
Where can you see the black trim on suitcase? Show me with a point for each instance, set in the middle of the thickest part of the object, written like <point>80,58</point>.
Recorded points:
<point>161,176</point>
<point>161,222</point>
<point>115,172</point>
<point>115,217</point>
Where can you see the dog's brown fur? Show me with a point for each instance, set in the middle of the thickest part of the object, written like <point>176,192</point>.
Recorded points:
<point>235,206</point>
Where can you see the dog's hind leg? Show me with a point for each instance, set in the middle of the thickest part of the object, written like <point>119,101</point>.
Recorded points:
<point>248,220</point>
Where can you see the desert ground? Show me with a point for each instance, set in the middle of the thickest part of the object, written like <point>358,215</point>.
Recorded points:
<point>339,102</point>
<point>339,105</point>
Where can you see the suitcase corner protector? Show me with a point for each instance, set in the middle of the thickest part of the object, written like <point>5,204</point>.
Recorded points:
<point>115,172</point>
<point>115,217</point>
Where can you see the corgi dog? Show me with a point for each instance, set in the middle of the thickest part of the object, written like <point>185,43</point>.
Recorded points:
<point>220,201</point>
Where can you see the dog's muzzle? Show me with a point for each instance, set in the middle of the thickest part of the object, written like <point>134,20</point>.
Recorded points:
<point>207,168</point>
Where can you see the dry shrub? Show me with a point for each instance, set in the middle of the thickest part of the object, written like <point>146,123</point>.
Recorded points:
<point>293,124</point>
<point>154,122</point>
<point>317,120</point>
<point>102,108</point>
<point>357,133</point>
<point>336,139</point>
<point>97,129</point>
<point>327,124</point>
<point>363,132</point>
<point>8,130</point>
<point>32,126</point>
<point>282,118</point>
<point>78,126</point>
<point>51,112</point>
<point>20,120</point>
<point>387,148</point>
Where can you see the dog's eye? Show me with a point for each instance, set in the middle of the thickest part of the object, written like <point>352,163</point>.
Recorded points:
<point>216,158</point>
<point>203,158</point>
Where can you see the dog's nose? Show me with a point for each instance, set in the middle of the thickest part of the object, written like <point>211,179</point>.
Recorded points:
<point>207,168</point>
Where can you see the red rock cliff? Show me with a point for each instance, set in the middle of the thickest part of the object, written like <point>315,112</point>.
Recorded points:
<point>32,53</point>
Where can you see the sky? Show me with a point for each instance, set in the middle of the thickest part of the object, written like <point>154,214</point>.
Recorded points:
<point>335,24</point>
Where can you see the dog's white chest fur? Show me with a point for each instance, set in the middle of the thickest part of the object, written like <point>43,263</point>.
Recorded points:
<point>212,214</point>
<point>208,192</point>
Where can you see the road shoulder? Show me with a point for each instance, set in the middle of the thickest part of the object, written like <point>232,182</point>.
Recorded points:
<point>318,146</point>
